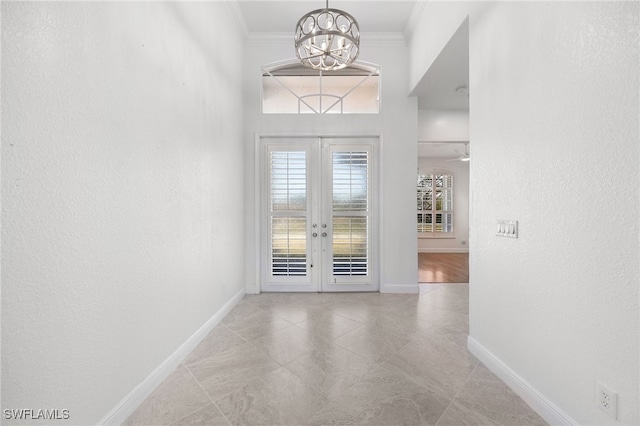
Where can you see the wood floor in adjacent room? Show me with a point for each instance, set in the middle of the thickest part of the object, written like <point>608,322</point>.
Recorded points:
<point>443,267</point>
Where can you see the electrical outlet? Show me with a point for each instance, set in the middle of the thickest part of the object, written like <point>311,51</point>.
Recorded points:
<point>607,400</point>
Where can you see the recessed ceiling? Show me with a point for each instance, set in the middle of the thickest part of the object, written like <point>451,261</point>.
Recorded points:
<point>281,16</point>
<point>450,70</point>
<point>441,150</point>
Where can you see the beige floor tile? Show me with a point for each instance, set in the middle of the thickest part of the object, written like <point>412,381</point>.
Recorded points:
<point>486,394</point>
<point>219,340</point>
<point>450,297</point>
<point>255,324</point>
<point>285,345</point>
<point>279,398</point>
<point>176,397</point>
<point>375,341</point>
<point>293,312</point>
<point>436,363</point>
<point>328,325</point>
<point>358,310</point>
<point>383,398</point>
<point>338,358</point>
<point>207,416</point>
<point>459,415</point>
<point>230,370</point>
<point>331,369</point>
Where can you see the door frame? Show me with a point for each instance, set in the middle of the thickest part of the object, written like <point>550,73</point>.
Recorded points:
<point>260,177</point>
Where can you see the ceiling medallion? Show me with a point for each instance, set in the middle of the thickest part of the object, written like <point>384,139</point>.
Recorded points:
<point>327,39</point>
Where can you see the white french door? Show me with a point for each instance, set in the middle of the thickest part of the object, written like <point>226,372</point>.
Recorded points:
<point>318,214</point>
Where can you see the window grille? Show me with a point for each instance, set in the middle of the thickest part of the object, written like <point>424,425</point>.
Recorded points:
<point>291,88</point>
<point>435,202</point>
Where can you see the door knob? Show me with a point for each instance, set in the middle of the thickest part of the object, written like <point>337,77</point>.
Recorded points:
<point>324,234</point>
<point>315,234</point>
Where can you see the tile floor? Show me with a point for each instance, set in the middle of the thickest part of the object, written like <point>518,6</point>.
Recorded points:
<point>320,359</point>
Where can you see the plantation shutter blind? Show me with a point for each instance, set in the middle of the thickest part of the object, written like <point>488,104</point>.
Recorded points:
<point>288,208</point>
<point>350,212</point>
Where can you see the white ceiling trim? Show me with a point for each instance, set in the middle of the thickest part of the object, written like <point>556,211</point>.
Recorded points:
<point>241,24</point>
<point>371,39</point>
<point>270,38</point>
<point>414,18</point>
<point>383,39</point>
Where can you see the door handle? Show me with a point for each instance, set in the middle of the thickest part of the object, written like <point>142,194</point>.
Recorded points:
<point>324,234</point>
<point>315,234</point>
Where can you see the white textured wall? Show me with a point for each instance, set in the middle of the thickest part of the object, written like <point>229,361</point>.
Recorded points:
<point>554,127</point>
<point>397,123</point>
<point>441,125</point>
<point>460,243</point>
<point>122,193</point>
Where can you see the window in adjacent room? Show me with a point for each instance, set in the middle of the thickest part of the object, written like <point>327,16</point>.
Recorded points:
<point>435,203</point>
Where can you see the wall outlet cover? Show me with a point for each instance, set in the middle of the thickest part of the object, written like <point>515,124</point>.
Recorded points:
<point>607,400</point>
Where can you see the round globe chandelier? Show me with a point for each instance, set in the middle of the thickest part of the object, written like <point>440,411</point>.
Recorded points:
<point>327,39</point>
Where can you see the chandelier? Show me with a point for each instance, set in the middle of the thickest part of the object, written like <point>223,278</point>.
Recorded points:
<point>327,39</point>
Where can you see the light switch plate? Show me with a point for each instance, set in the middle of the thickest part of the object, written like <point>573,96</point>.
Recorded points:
<point>507,228</point>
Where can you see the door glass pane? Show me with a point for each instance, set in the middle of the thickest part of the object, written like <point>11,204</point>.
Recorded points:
<point>425,222</point>
<point>288,181</point>
<point>350,245</point>
<point>350,181</point>
<point>350,209</point>
<point>288,246</point>
<point>288,204</point>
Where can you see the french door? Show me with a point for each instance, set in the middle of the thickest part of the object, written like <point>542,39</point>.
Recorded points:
<point>318,214</point>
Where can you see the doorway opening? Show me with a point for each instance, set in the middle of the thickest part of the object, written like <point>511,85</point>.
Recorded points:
<point>442,196</point>
<point>444,151</point>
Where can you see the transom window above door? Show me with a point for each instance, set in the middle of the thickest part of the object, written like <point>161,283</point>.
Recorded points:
<point>291,88</point>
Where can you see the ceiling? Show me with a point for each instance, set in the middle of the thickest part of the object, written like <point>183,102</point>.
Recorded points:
<point>437,88</point>
<point>441,150</point>
<point>373,16</point>
<point>450,70</point>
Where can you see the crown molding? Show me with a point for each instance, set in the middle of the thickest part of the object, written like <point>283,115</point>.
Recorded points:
<point>371,39</point>
<point>412,23</point>
<point>272,38</point>
<point>234,9</point>
<point>384,39</point>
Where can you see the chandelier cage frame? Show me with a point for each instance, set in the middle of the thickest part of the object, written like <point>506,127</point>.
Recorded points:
<point>327,39</point>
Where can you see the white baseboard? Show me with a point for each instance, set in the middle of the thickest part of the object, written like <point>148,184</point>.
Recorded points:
<point>442,250</point>
<point>119,414</point>
<point>546,409</point>
<point>400,288</point>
